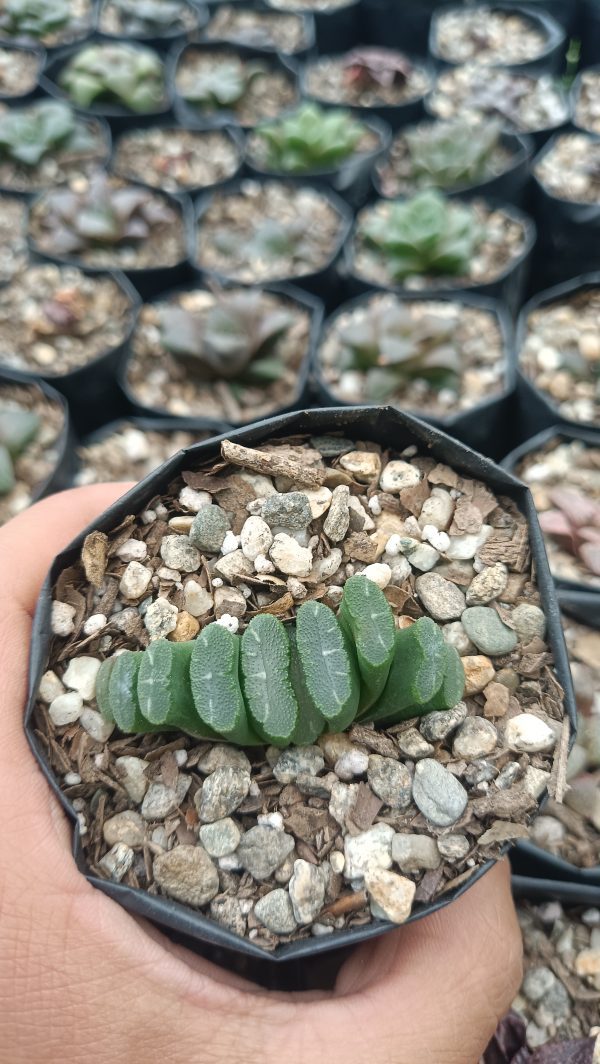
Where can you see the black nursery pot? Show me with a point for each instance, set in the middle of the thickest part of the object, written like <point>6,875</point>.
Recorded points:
<point>231,132</point>
<point>323,283</point>
<point>161,42</point>
<point>509,186</point>
<point>119,117</point>
<point>296,399</point>
<point>537,411</point>
<point>487,426</point>
<point>550,61</point>
<point>300,55</point>
<point>396,116</point>
<point>40,55</point>
<point>193,117</point>
<point>564,11</point>
<point>391,24</point>
<point>147,281</point>
<point>299,963</point>
<point>92,389</point>
<point>565,433</point>
<point>336,30</point>
<point>590,32</point>
<point>61,475</point>
<point>569,242</point>
<point>351,179</point>
<point>548,887</point>
<point>507,287</point>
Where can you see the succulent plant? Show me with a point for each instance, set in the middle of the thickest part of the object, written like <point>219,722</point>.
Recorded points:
<point>282,684</point>
<point>426,234</point>
<point>30,133</point>
<point>233,340</point>
<point>270,240</point>
<point>368,68</point>
<point>130,76</point>
<point>141,18</point>
<point>33,18</point>
<point>391,346</point>
<point>222,85</point>
<point>574,523</point>
<point>451,154</point>
<point>311,138</point>
<point>17,429</point>
<point>101,215</point>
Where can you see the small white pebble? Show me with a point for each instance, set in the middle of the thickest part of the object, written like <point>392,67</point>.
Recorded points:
<point>147,517</point>
<point>230,543</point>
<point>375,505</point>
<point>194,500</point>
<point>95,623</point>
<point>71,779</point>
<point>337,861</point>
<point>217,582</point>
<point>50,687</point>
<point>169,574</point>
<point>439,540</point>
<point>161,510</point>
<point>254,508</point>
<point>95,725</point>
<point>81,676</point>
<point>117,862</point>
<point>63,619</point>
<point>271,820</point>
<point>392,546</point>
<point>230,623</point>
<point>379,573</point>
<point>263,565</point>
<point>82,824</point>
<point>66,709</point>
<point>181,757</point>
<point>229,863</point>
<point>132,550</point>
<point>135,580</point>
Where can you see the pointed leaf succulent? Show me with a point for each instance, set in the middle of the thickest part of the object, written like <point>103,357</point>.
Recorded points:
<point>132,77</point>
<point>28,134</point>
<point>34,18</point>
<point>452,154</point>
<point>222,85</point>
<point>312,138</point>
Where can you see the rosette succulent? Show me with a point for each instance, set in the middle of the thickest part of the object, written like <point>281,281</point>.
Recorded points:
<point>312,138</point>
<point>452,154</point>
<point>426,234</point>
<point>33,18</point>
<point>234,339</point>
<point>223,84</point>
<point>17,429</point>
<point>30,133</point>
<point>285,684</point>
<point>122,74</point>
<point>391,345</point>
<point>370,68</point>
<point>101,215</point>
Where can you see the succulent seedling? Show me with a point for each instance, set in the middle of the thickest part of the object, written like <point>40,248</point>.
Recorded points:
<point>574,523</point>
<point>452,154</point>
<point>222,85</point>
<point>427,234</point>
<point>30,133</point>
<point>17,429</point>
<point>132,77</point>
<point>233,339</point>
<point>284,684</point>
<point>34,18</point>
<point>310,139</point>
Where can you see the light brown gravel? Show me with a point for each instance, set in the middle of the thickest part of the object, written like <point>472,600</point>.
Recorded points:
<point>570,170</point>
<point>526,104</point>
<point>13,245</point>
<point>18,71</point>
<point>40,458</point>
<point>111,19</point>
<point>130,453</point>
<point>487,36</point>
<point>259,29</point>
<point>587,104</point>
<point>175,159</point>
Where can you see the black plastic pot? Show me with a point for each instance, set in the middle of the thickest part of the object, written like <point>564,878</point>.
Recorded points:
<point>564,11</point>
<point>576,89</point>
<point>118,117</point>
<point>60,477</point>
<point>300,55</point>
<point>590,32</point>
<point>396,116</point>
<point>389,428</point>
<point>539,411</point>
<point>336,30</point>
<point>106,139</point>
<point>149,281</point>
<point>194,117</point>
<point>507,286</point>
<point>323,282</point>
<point>569,243</point>
<point>161,42</point>
<point>92,390</point>
<point>351,179</point>
<point>509,186</point>
<point>548,889</point>
<point>40,55</point>
<point>394,24</point>
<point>295,400</point>
<point>550,61</point>
<point>234,135</point>
<point>566,433</point>
<point>486,427</point>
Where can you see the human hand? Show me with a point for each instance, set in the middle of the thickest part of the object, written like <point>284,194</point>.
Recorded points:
<point>83,982</point>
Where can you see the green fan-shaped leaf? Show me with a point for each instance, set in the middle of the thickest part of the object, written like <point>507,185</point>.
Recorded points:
<point>102,689</point>
<point>164,691</point>
<point>453,684</point>
<point>215,684</point>
<point>369,622</point>
<point>122,693</point>
<point>265,669</point>
<point>416,674</point>
<point>310,722</point>
<point>328,663</point>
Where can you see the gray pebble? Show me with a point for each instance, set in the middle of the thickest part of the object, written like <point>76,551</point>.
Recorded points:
<point>485,629</point>
<point>508,775</point>
<point>529,622</point>
<point>480,771</point>
<point>263,849</point>
<point>476,737</point>
<point>178,553</point>
<point>413,745</point>
<point>453,847</point>
<point>307,891</point>
<point>369,850</point>
<point>127,827</point>
<point>222,792</point>
<point>117,862</point>
<point>289,510</point>
<point>537,982</point>
<point>187,874</point>
<point>315,786</point>
<point>390,780</point>
<point>298,760</point>
<point>275,911</point>
<point>159,802</point>
<point>443,599</point>
<point>338,516</point>
<point>221,837</point>
<point>439,796</point>
<point>438,725</point>
<point>412,853</point>
<point>208,529</point>
<point>227,911</point>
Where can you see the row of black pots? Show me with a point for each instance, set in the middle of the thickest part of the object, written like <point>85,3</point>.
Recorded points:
<point>389,428</point>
